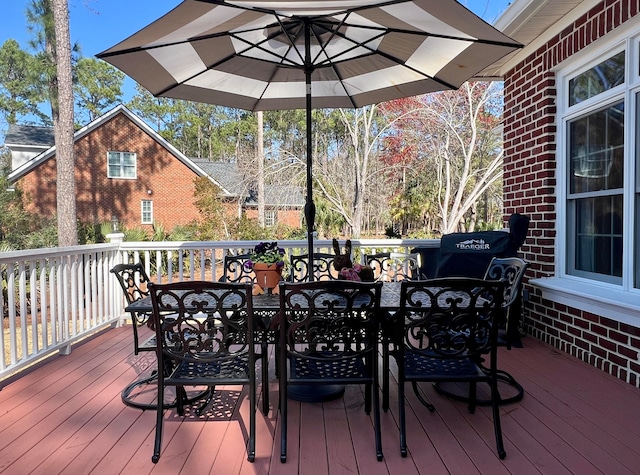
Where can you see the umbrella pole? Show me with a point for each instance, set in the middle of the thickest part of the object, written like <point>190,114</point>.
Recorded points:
<point>309,207</point>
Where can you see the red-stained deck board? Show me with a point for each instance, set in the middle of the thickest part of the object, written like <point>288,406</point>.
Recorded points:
<point>66,416</point>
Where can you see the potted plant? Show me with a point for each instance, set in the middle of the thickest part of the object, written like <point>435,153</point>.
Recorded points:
<point>267,261</point>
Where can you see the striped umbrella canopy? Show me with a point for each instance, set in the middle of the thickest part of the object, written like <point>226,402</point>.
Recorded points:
<point>296,54</point>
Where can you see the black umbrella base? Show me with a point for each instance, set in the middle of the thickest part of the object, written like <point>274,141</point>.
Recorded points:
<point>314,393</point>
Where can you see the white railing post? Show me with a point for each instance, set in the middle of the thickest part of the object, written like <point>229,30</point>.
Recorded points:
<point>116,237</point>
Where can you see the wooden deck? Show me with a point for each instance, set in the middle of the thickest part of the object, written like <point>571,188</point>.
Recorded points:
<point>67,417</point>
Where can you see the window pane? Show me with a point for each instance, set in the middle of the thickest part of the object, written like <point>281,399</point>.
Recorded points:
<point>128,159</point>
<point>596,150</point>
<point>113,163</point>
<point>129,172</point>
<point>598,237</point>
<point>604,76</point>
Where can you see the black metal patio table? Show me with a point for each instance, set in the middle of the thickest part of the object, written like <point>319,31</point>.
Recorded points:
<point>267,307</point>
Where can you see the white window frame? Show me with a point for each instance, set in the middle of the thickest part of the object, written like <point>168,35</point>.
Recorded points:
<point>143,211</point>
<point>121,174</point>
<point>270,217</point>
<point>618,301</point>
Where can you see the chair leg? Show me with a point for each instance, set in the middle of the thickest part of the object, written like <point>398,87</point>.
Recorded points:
<point>385,374</point>
<point>136,346</point>
<point>368,388</point>
<point>473,396</point>
<point>265,377</point>
<point>401,417</point>
<point>157,446</point>
<point>426,403</point>
<point>251,444</point>
<point>181,397</point>
<point>376,421</point>
<point>283,416</point>
<point>210,393</point>
<point>497,425</point>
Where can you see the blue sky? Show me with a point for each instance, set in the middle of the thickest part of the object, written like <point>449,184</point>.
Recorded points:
<point>99,24</point>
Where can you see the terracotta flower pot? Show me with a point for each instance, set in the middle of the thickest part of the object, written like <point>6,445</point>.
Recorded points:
<point>267,275</point>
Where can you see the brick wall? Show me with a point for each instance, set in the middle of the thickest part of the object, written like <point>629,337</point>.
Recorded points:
<point>287,217</point>
<point>529,188</point>
<point>162,178</point>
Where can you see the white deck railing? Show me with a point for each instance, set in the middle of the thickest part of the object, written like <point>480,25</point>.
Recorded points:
<point>53,298</point>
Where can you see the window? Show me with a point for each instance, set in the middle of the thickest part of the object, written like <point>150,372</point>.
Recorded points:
<point>121,165</point>
<point>602,77</point>
<point>147,211</point>
<point>595,149</point>
<point>595,197</point>
<point>270,218</point>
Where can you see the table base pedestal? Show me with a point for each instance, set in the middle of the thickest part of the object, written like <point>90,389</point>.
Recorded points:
<point>314,392</point>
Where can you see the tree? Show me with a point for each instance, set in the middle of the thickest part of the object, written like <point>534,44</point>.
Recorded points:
<point>19,95</point>
<point>98,87</point>
<point>207,199</point>
<point>451,147</point>
<point>62,113</point>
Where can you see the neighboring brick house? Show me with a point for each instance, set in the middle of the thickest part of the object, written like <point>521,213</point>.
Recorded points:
<point>572,163</point>
<point>282,203</point>
<point>123,169</point>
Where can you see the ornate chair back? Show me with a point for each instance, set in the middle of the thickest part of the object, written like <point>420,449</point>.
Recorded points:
<point>510,270</point>
<point>134,283</point>
<point>395,266</point>
<point>322,267</point>
<point>234,270</point>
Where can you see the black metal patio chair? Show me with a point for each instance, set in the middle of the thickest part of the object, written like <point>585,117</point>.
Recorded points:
<point>394,266</point>
<point>443,329</point>
<point>210,341</point>
<point>234,270</point>
<point>322,268</point>
<point>328,335</point>
<point>511,271</point>
<point>134,282</point>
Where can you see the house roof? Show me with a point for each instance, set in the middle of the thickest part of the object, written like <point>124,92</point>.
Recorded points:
<point>224,174</point>
<point>230,179</point>
<point>279,196</point>
<point>29,135</point>
<point>533,23</point>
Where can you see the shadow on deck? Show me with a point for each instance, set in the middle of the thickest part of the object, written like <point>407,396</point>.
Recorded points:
<point>67,417</point>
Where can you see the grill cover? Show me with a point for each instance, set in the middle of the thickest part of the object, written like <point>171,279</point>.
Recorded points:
<point>469,254</point>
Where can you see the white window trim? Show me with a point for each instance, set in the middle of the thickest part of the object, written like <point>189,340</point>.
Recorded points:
<point>142,220</point>
<point>135,175</point>
<point>617,302</point>
<point>274,214</point>
<point>591,296</point>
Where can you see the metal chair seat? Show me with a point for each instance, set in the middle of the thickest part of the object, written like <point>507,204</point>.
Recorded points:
<point>231,371</point>
<point>416,365</point>
<point>328,365</point>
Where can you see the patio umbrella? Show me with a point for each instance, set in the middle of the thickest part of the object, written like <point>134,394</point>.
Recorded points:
<point>288,54</point>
